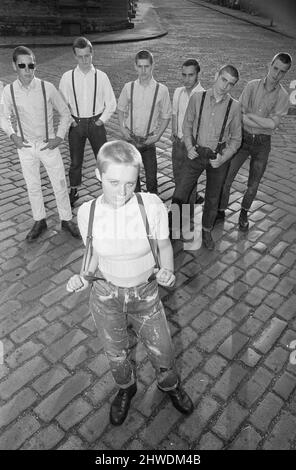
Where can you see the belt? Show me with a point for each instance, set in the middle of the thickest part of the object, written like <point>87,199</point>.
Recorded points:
<point>256,136</point>
<point>92,118</point>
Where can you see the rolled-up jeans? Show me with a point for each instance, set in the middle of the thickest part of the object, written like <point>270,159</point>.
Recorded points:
<point>30,158</point>
<point>112,307</point>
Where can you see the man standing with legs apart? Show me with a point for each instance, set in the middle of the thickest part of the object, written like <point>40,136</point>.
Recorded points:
<point>32,101</point>
<point>190,71</point>
<point>264,102</point>
<point>212,134</point>
<point>144,111</point>
<point>91,99</point>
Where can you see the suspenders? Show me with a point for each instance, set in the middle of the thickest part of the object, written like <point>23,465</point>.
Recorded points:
<point>18,116</point>
<point>152,108</point>
<point>224,121</point>
<point>95,93</point>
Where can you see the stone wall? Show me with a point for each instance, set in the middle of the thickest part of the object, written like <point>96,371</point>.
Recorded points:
<point>68,17</point>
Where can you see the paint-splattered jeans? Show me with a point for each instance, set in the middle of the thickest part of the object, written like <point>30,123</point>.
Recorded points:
<point>112,308</point>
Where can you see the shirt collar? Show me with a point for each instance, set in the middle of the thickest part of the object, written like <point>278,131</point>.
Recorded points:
<point>91,71</point>
<point>263,82</point>
<point>210,93</point>
<point>151,83</point>
<point>29,87</point>
<point>194,90</point>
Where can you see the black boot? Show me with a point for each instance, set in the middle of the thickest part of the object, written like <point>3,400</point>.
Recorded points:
<point>70,227</point>
<point>121,404</point>
<point>220,217</point>
<point>36,230</point>
<point>243,222</point>
<point>207,240</point>
<point>180,399</point>
<point>73,196</point>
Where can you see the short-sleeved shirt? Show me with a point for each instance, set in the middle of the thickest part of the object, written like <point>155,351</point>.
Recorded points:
<point>256,99</point>
<point>119,235</point>
<point>142,104</point>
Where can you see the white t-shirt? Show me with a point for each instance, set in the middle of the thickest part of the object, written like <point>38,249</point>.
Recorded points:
<point>120,239</point>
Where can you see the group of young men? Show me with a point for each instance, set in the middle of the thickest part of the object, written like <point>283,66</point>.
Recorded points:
<point>211,131</point>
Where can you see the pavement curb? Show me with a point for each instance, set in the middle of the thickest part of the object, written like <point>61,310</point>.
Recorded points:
<point>246,17</point>
<point>147,27</point>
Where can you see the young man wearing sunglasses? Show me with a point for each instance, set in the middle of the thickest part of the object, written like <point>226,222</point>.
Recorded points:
<point>32,101</point>
<point>90,97</point>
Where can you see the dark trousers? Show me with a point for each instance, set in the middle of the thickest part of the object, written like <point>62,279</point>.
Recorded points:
<point>258,147</point>
<point>86,129</point>
<point>214,181</point>
<point>179,155</point>
<point>150,166</point>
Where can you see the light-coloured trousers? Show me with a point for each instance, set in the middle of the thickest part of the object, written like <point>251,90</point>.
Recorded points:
<point>30,158</point>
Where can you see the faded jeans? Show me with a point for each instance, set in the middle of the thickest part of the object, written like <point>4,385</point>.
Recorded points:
<point>258,147</point>
<point>112,308</point>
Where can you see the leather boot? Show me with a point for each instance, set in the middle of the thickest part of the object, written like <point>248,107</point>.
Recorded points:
<point>121,404</point>
<point>73,196</point>
<point>180,399</point>
<point>243,222</point>
<point>207,240</point>
<point>70,227</point>
<point>36,230</point>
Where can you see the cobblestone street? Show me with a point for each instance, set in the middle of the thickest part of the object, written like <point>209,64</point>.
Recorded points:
<point>232,313</point>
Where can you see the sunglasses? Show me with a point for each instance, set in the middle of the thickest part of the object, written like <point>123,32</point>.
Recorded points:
<point>23,66</point>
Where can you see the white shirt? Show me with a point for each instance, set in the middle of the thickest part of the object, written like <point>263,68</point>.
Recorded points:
<point>142,104</point>
<point>84,88</point>
<point>119,237</point>
<point>180,103</point>
<point>30,105</point>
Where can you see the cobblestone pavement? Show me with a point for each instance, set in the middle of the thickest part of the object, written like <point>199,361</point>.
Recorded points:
<point>232,313</point>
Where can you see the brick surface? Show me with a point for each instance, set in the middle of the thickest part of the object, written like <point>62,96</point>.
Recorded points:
<point>44,439</point>
<point>55,402</point>
<point>50,379</point>
<point>270,335</point>
<point>22,376</point>
<point>196,422</point>
<point>255,387</point>
<point>248,439</point>
<point>73,414</point>
<point>230,420</point>
<point>223,303</point>
<point>266,411</point>
<point>215,334</point>
<point>229,381</point>
<point>285,385</point>
<point>283,433</point>
<point>12,409</point>
<point>17,434</point>
<point>64,345</point>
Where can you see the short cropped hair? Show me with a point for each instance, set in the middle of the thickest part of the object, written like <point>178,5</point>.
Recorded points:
<point>22,50</point>
<point>144,54</point>
<point>229,69</point>
<point>192,62</point>
<point>284,57</point>
<point>81,43</point>
<point>119,152</point>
